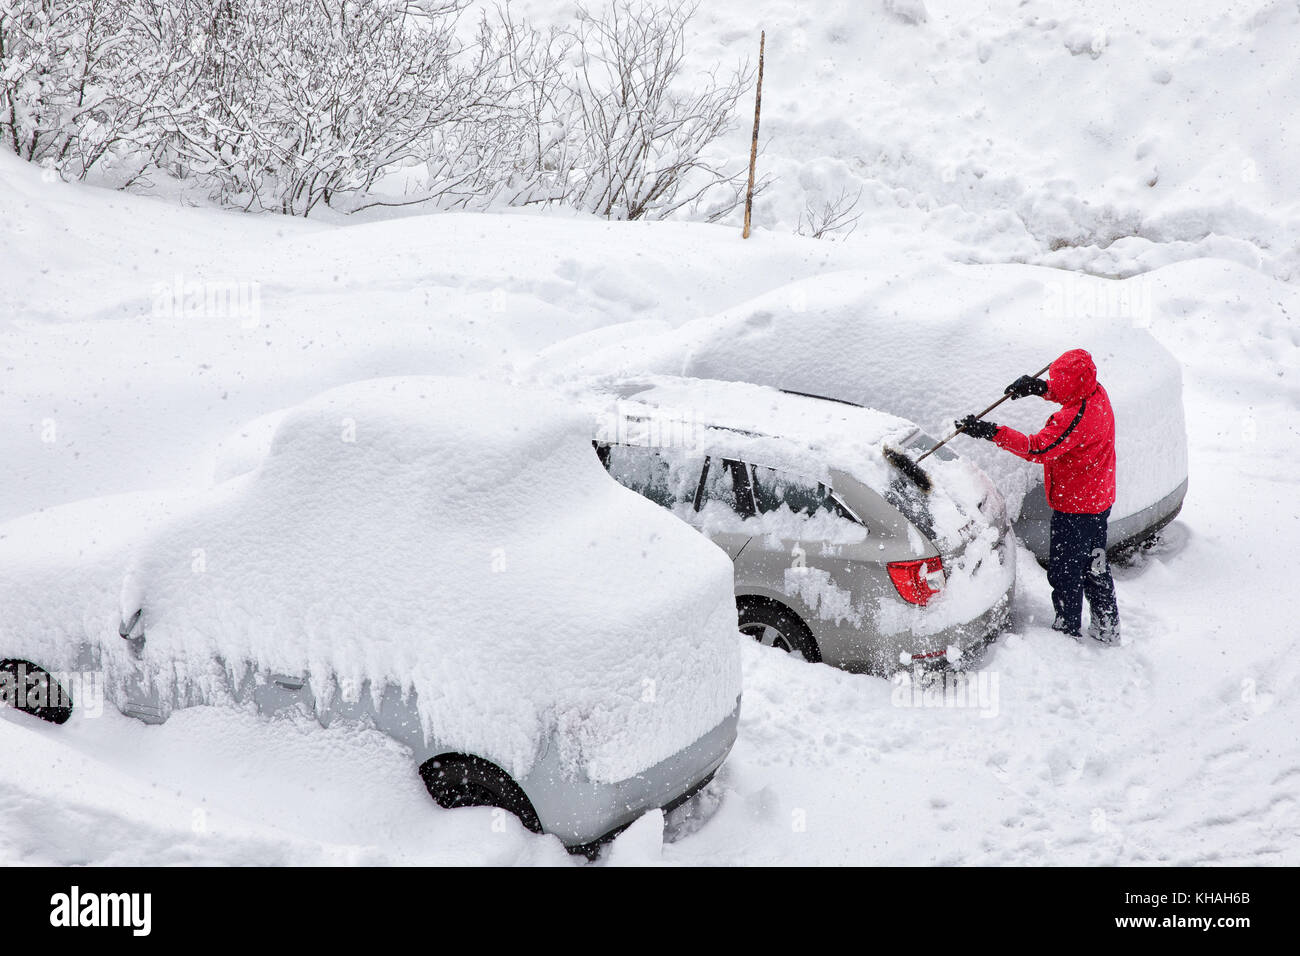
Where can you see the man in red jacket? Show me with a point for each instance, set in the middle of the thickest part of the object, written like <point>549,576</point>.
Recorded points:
<point>1077,450</point>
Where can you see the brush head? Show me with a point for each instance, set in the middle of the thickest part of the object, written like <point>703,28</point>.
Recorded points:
<point>914,472</point>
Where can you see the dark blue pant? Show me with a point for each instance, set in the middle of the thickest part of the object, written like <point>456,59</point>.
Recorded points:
<point>1076,566</point>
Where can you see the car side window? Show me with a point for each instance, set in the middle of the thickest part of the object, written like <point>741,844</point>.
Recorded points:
<point>726,481</point>
<point>774,489</point>
<point>667,476</point>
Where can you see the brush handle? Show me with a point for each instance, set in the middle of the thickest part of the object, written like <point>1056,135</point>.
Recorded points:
<point>1037,374</point>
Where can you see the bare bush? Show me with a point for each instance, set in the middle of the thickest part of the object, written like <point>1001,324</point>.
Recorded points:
<point>603,116</point>
<point>66,81</point>
<point>289,105</point>
<point>831,217</point>
<point>639,138</point>
<point>534,103</point>
<point>305,100</point>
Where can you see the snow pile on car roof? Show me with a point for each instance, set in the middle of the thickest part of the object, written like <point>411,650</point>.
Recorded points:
<point>752,423</point>
<point>459,540</point>
<point>938,342</point>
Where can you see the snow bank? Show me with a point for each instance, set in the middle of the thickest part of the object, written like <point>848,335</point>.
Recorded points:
<point>114,384</point>
<point>461,541</point>
<point>954,128</point>
<point>241,451</point>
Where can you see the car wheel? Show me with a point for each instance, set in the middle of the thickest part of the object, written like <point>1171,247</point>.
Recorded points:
<point>32,690</point>
<point>773,625</point>
<point>461,780</point>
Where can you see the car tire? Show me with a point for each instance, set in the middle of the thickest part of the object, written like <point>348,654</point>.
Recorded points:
<point>775,625</point>
<point>462,780</point>
<point>23,682</point>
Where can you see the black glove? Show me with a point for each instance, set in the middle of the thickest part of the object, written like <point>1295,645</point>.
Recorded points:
<point>977,429</point>
<point>1026,385</point>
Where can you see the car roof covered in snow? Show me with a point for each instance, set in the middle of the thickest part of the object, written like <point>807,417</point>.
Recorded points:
<point>804,433</point>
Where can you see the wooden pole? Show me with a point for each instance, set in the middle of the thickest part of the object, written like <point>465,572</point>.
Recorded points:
<point>753,147</point>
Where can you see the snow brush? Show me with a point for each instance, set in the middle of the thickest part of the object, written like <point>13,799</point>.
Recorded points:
<point>912,468</point>
<point>907,466</point>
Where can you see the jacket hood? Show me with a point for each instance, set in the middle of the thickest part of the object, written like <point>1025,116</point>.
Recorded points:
<point>1073,376</point>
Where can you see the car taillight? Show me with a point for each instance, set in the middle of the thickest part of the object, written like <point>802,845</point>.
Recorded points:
<point>917,581</point>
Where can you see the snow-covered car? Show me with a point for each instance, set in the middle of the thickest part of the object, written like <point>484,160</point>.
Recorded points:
<point>447,560</point>
<point>839,557</point>
<point>937,343</point>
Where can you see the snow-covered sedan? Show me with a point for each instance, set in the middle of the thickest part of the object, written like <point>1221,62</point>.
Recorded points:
<point>447,560</point>
<point>839,557</point>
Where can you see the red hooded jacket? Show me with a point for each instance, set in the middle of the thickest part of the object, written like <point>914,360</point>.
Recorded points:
<point>1077,445</point>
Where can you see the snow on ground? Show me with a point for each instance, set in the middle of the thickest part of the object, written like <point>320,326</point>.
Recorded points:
<point>1109,137</point>
<point>124,371</point>
<point>1179,747</point>
<point>222,787</point>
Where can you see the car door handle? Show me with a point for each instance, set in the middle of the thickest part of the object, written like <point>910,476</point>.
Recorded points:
<point>288,682</point>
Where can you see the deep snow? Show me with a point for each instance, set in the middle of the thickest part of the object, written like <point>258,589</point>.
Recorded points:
<point>1178,747</point>
<point>1110,137</point>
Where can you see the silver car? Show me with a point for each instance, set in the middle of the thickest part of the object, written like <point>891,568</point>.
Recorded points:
<point>838,557</point>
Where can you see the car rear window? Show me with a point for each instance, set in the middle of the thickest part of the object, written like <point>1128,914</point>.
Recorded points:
<point>774,489</point>
<point>667,476</point>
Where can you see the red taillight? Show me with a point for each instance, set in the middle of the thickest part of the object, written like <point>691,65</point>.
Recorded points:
<point>917,581</point>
